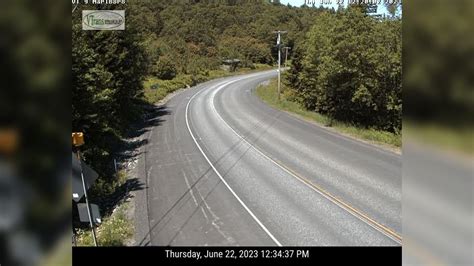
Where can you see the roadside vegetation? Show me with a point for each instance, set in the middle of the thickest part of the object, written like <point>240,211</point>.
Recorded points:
<point>347,73</point>
<point>168,45</point>
<point>349,68</point>
<point>345,65</point>
<point>115,230</point>
<point>157,89</point>
<point>268,93</point>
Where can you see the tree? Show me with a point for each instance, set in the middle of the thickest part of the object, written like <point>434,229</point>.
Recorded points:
<point>164,68</point>
<point>392,8</point>
<point>350,69</point>
<point>108,69</point>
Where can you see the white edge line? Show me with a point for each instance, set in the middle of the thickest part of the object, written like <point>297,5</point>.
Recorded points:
<point>284,169</point>
<point>222,179</point>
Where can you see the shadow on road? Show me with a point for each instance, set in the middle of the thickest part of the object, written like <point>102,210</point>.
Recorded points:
<point>153,117</point>
<point>168,214</point>
<point>126,154</point>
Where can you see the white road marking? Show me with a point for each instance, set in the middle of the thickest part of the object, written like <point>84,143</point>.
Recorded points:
<point>215,220</point>
<point>289,172</point>
<point>220,176</point>
<point>192,194</point>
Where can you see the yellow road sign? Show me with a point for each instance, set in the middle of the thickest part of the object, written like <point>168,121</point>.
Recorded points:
<point>77,139</point>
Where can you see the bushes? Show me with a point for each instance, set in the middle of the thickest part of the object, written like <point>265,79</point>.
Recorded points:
<point>164,68</point>
<point>106,89</point>
<point>291,103</point>
<point>350,69</point>
<point>114,231</point>
<point>157,89</point>
<point>249,50</point>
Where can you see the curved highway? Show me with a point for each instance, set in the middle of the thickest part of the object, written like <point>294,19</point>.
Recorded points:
<point>223,168</point>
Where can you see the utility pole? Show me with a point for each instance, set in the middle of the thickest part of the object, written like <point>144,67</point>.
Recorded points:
<point>279,32</point>
<point>89,213</point>
<point>77,141</point>
<point>286,55</point>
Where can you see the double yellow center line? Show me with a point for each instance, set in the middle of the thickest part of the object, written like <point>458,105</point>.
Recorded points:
<point>359,214</point>
<point>355,212</point>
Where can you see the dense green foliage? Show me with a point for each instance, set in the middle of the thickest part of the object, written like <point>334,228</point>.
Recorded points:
<point>345,65</point>
<point>115,230</point>
<point>349,68</point>
<point>195,36</point>
<point>157,89</point>
<point>178,43</point>
<point>164,68</point>
<point>268,93</point>
<point>108,68</point>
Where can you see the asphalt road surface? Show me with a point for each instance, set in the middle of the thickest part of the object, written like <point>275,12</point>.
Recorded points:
<point>222,168</point>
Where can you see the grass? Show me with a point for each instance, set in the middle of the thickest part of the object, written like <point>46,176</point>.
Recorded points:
<point>157,89</point>
<point>113,231</point>
<point>104,188</point>
<point>268,94</point>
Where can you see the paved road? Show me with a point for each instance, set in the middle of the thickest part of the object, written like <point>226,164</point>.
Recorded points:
<point>223,168</point>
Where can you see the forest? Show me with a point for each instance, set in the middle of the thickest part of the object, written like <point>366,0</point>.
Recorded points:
<point>165,39</point>
<point>349,67</point>
<point>345,63</point>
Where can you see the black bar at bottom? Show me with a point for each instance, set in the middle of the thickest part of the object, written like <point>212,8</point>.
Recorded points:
<point>237,255</point>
